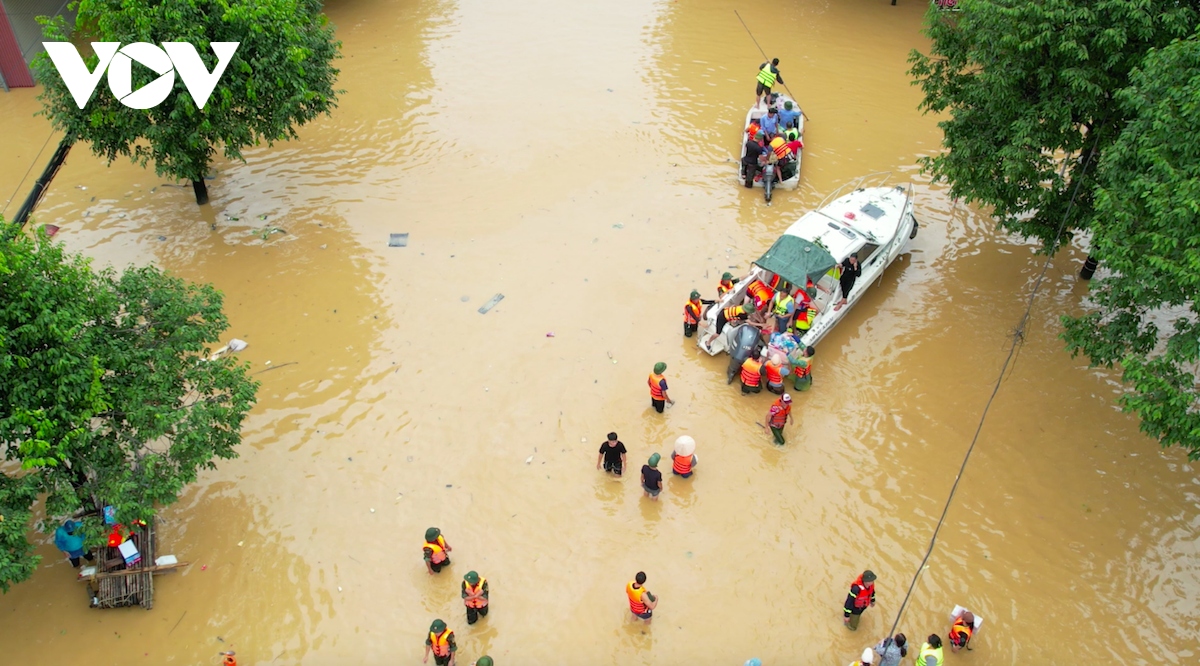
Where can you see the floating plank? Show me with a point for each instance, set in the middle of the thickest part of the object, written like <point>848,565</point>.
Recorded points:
<point>491,303</point>
<point>398,240</point>
<point>131,572</point>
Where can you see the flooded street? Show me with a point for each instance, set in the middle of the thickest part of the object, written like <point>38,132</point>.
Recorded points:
<point>579,158</point>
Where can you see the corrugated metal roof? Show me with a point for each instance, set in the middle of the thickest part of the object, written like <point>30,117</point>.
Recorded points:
<point>21,35</point>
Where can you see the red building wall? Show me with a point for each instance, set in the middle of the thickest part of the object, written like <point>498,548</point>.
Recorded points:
<point>12,63</point>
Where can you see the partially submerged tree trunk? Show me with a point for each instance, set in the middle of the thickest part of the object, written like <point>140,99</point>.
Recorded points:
<point>201,190</point>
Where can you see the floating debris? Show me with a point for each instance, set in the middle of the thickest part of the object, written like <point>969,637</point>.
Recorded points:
<point>398,240</point>
<point>492,302</point>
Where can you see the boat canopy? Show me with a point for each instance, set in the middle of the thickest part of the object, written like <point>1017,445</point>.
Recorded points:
<point>797,260</point>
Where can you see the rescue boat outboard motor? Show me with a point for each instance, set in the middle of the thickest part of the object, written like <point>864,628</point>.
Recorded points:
<point>745,339</point>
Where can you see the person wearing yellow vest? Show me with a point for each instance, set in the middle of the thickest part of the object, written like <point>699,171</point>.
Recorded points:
<point>867,659</point>
<point>931,653</point>
<point>768,74</point>
<point>783,306</point>
<point>436,550</point>
<point>441,643</point>
<point>693,312</point>
<point>658,388</point>
<point>806,310</point>
<point>752,372</point>
<point>778,416</point>
<point>475,596</point>
<point>641,601</point>
<point>961,631</point>
<point>802,369</point>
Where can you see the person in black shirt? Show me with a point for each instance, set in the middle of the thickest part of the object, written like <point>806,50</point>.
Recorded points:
<point>750,165</point>
<point>612,455</point>
<point>850,272</point>
<point>652,478</point>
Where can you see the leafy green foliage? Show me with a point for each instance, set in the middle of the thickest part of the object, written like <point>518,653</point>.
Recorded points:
<point>281,77</point>
<point>1149,238</point>
<point>1025,83</point>
<point>105,393</point>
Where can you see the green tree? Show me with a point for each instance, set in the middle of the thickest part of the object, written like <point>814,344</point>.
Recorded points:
<point>280,78</point>
<point>106,396</point>
<point>1025,83</point>
<point>1148,237</point>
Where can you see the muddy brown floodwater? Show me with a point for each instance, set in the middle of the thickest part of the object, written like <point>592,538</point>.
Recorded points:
<point>578,158</point>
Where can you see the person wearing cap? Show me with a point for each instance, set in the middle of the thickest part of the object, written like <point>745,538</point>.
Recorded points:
<point>652,478</point>
<point>768,74</point>
<point>931,653</point>
<point>961,631</point>
<point>641,601</point>
<point>752,374</point>
<point>436,550</point>
<point>789,117</point>
<point>441,643</point>
<point>862,595</point>
<point>475,596</point>
<point>612,455</point>
<point>658,388</point>
<point>867,658</point>
<point>892,650</point>
<point>802,368</point>
<point>483,661</point>
<point>693,312</point>
<point>69,539</point>
<point>779,415</point>
<point>726,284</point>
<point>752,159</point>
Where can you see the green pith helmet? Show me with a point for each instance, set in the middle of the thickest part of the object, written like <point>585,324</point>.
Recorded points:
<point>868,576</point>
<point>432,533</point>
<point>694,295</point>
<point>484,661</point>
<point>653,461</point>
<point>472,578</point>
<point>659,367</point>
<point>437,627</point>
<point>787,105</point>
<point>726,276</point>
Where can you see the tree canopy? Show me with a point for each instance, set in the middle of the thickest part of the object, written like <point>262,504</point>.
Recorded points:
<point>1112,86</point>
<point>281,77</point>
<point>106,396</point>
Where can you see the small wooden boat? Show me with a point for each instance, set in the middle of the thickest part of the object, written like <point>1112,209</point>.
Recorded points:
<point>872,223</point>
<point>758,111</point>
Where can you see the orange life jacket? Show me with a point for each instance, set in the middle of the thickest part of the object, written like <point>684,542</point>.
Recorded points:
<point>724,288</point>
<point>780,147</point>
<point>961,627</point>
<point>803,370</point>
<point>774,373</point>
<point>691,312</point>
<point>229,660</point>
<point>761,293</point>
<point>635,598</point>
<point>682,464</point>
<point>473,589</point>
<point>440,643</point>
<point>752,129</point>
<point>733,312</point>
<point>865,590</point>
<point>656,391</point>
<point>750,372</point>
<point>438,547</point>
<point>779,418</point>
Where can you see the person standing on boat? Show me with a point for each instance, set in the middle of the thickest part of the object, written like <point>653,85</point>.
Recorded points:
<point>658,388</point>
<point>768,74</point>
<point>806,310</point>
<point>850,272</point>
<point>751,161</point>
<point>802,369</point>
<point>862,595</point>
<point>436,550</point>
<point>784,307</point>
<point>441,643</point>
<point>778,416</point>
<point>752,374</point>
<point>789,117</point>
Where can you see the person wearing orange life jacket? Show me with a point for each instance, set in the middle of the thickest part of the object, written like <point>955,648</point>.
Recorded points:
<point>752,374</point>
<point>862,595</point>
<point>867,659</point>
<point>802,369</point>
<point>641,601</point>
<point>761,293</point>
<point>475,596</point>
<point>436,550</point>
<point>681,464</point>
<point>726,284</point>
<point>693,312</point>
<point>441,643</point>
<point>229,658</point>
<point>961,631</point>
<point>806,310</point>
<point>779,415</point>
<point>733,314</point>
<point>658,388</point>
<point>773,374</point>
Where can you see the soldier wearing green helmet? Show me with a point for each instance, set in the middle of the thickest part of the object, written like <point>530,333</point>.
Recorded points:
<point>658,388</point>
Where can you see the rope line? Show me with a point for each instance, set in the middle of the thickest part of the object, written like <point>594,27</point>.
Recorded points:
<point>27,171</point>
<point>1018,339</point>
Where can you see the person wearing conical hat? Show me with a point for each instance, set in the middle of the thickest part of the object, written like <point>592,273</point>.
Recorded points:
<point>441,643</point>
<point>658,388</point>
<point>436,550</point>
<point>475,596</point>
<point>683,458</point>
<point>652,478</point>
